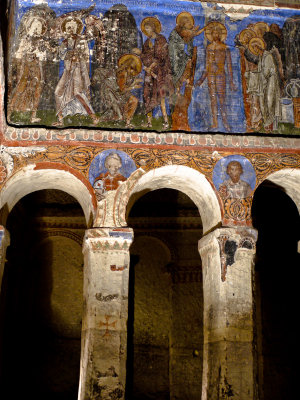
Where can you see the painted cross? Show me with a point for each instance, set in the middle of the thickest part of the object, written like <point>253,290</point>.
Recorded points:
<point>107,325</point>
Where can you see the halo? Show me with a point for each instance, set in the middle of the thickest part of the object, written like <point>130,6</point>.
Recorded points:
<point>243,36</point>
<point>77,20</point>
<point>258,41</point>
<point>184,14</point>
<point>213,25</point>
<point>135,59</point>
<point>151,20</point>
<point>30,20</point>
<point>260,25</point>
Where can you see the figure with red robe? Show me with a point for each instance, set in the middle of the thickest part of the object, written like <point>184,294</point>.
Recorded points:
<point>158,84</point>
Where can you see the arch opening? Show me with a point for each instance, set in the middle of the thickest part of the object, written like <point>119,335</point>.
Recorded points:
<point>39,177</point>
<point>276,217</point>
<point>165,321</point>
<point>186,180</point>
<point>41,298</point>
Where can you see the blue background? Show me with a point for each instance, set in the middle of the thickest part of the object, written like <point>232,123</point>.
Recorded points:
<point>220,175</point>
<point>166,12</point>
<point>97,165</point>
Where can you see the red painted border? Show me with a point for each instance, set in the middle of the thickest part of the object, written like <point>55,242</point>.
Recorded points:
<point>62,167</point>
<point>207,148</point>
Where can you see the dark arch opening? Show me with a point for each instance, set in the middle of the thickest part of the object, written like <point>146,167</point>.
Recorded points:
<point>165,325</point>
<point>277,220</point>
<point>41,298</point>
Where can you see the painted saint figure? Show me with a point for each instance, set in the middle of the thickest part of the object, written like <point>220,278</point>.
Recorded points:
<point>217,58</point>
<point>259,34</point>
<point>249,80</point>
<point>30,56</point>
<point>158,78</point>
<point>183,57</point>
<point>268,84</point>
<point>234,187</point>
<point>72,93</point>
<point>109,180</point>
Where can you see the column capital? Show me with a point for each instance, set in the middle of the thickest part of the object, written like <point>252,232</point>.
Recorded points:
<point>107,239</point>
<point>227,257</point>
<point>231,243</point>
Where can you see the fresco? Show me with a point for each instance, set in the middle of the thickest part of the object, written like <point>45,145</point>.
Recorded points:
<point>176,66</point>
<point>108,170</point>
<point>234,177</point>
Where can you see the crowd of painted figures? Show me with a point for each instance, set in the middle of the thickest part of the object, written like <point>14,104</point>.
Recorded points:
<point>107,85</point>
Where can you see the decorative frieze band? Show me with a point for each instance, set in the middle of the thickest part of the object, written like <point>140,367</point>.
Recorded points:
<point>106,239</point>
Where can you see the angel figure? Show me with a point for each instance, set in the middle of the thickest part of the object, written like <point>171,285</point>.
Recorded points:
<point>72,93</point>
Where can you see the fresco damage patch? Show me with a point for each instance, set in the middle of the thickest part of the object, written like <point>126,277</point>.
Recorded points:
<point>152,66</point>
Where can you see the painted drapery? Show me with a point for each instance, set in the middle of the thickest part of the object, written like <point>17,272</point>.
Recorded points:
<point>208,71</point>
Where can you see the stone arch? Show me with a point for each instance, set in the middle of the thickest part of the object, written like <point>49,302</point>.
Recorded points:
<point>275,214</point>
<point>289,180</point>
<point>40,176</point>
<point>182,178</point>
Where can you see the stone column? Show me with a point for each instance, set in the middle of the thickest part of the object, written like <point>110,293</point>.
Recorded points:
<point>4,243</point>
<point>104,330</point>
<point>229,366</point>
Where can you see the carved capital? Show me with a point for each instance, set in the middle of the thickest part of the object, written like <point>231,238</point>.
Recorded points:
<point>108,239</point>
<point>230,242</point>
<point>185,273</point>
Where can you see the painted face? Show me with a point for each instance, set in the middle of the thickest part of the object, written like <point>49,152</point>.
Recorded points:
<point>71,27</point>
<point>36,28</point>
<point>149,29</point>
<point>216,35</point>
<point>234,171</point>
<point>258,49</point>
<point>187,23</point>
<point>113,166</point>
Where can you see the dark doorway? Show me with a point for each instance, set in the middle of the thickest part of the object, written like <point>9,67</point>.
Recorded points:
<point>165,332</point>
<point>276,218</point>
<point>41,299</point>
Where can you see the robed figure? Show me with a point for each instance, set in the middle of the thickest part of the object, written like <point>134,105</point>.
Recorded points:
<point>158,75</point>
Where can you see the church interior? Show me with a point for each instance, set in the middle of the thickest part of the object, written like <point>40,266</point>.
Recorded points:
<point>168,351</point>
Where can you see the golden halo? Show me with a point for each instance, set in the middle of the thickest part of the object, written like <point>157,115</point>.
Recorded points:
<point>258,42</point>
<point>151,20</point>
<point>211,27</point>
<point>246,35</point>
<point>30,21</point>
<point>184,14</point>
<point>261,26</point>
<point>131,58</point>
<point>77,20</point>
